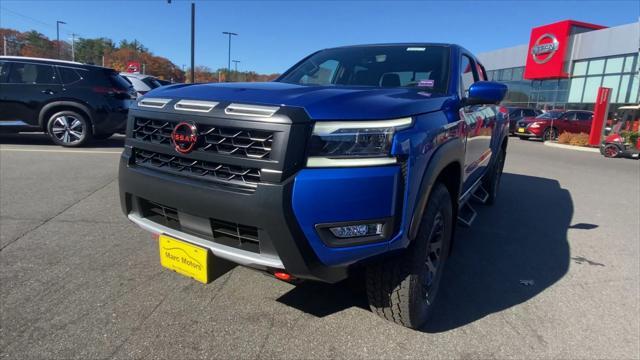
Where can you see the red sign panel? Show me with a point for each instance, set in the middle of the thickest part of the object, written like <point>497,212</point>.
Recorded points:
<point>548,49</point>
<point>599,114</point>
<point>133,67</point>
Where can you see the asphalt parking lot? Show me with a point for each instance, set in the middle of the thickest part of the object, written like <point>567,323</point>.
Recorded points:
<point>551,271</point>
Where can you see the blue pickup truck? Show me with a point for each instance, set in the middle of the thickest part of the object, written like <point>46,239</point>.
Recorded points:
<point>358,159</point>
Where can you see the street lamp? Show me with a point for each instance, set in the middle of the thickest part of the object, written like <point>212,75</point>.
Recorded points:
<point>193,40</point>
<point>235,62</point>
<point>229,59</point>
<point>58,22</point>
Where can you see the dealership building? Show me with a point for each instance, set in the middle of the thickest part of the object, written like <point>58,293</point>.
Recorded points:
<point>565,63</point>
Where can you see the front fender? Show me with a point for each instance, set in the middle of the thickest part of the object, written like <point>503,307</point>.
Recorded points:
<point>449,152</point>
<point>53,104</point>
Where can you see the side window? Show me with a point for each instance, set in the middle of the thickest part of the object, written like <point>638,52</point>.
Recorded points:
<point>23,73</point>
<point>68,75</point>
<point>324,74</point>
<point>482,75</point>
<point>4,71</point>
<point>584,116</point>
<point>467,74</point>
<point>569,116</point>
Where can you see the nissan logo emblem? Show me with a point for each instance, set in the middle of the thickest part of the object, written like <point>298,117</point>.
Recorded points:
<point>543,52</point>
<point>184,137</point>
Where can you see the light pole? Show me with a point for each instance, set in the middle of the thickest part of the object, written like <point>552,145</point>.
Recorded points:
<point>235,62</point>
<point>193,40</point>
<point>58,22</point>
<point>229,59</point>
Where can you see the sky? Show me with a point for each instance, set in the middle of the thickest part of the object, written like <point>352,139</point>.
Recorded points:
<point>273,35</point>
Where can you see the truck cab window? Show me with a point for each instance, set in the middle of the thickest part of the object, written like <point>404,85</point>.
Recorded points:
<point>467,74</point>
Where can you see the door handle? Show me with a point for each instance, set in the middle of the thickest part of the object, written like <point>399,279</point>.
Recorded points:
<point>48,92</point>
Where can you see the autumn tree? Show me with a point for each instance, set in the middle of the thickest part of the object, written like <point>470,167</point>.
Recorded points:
<point>91,51</point>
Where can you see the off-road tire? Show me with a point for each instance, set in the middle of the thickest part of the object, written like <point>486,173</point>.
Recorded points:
<point>492,182</point>
<point>397,287</point>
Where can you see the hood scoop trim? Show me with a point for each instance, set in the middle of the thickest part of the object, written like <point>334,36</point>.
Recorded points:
<point>251,110</point>
<point>195,105</point>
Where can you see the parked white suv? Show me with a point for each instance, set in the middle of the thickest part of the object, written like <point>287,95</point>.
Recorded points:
<point>141,83</point>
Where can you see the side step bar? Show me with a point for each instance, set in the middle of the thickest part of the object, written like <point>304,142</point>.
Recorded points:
<point>466,213</point>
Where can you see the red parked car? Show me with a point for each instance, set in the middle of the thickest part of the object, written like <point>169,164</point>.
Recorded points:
<point>549,125</point>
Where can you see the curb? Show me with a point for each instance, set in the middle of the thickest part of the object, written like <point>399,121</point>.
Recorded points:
<point>571,147</point>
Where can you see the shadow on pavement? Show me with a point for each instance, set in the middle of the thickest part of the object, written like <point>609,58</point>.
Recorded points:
<point>42,139</point>
<point>514,251</point>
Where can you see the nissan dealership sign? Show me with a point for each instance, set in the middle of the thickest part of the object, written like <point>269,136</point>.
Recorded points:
<point>544,48</point>
<point>548,49</point>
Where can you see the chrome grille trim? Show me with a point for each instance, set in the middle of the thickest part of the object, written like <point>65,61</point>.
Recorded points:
<point>156,103</point>
<point>251,110</point>
<point>195,105</point>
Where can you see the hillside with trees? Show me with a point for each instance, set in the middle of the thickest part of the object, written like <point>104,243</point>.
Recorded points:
<point>103,51</point>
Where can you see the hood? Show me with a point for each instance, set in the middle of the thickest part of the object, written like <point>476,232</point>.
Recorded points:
<point>320,102</point>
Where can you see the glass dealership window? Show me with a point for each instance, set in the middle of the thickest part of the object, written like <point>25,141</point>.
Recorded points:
<point>580,68</point>
<point>618,70</point>
<point>596,67</point>
<point>575,91</point>
<point>624,86</point>
<point>628,64</point>
<point>614,65</point>
<point>517,74</point>
<point>591,88</point>
<point>612,81</point>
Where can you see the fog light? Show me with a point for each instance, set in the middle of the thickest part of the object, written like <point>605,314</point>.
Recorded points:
<point>356,230</point>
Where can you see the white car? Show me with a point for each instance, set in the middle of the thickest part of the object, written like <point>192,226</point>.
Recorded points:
<point>141,83</point>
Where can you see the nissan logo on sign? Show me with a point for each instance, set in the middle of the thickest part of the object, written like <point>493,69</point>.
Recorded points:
<point>184,137</point>
<point>544,48</point>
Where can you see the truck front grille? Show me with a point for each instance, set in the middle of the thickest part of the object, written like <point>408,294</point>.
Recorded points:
<point>202,170</point>
<point>255,144</point>
<point>239,236</point>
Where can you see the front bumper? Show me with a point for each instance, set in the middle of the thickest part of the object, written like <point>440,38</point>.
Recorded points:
<point>528,132</point>
<point>285,214</point>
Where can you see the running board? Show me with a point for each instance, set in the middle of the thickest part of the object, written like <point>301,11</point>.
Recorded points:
<point>480,195</point>
<point>466,214</point>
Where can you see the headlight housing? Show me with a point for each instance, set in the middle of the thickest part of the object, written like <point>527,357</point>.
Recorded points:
<point>353,143</point>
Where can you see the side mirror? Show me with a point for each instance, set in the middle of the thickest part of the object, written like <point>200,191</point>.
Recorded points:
<point>486,92</point>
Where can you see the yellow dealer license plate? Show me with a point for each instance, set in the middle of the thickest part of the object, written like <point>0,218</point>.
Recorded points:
<point>184,258</point>
<point>521,130</point>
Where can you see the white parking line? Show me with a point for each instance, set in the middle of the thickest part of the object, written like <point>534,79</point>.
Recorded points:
<point>2,149</point>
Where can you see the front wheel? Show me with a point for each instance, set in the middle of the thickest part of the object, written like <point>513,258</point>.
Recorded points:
<point>550,134</point>
<point>611,151</point>
<point>403,289</point>
<point>69,128</point>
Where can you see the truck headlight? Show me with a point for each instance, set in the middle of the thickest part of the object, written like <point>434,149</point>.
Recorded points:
<point>353,143</point>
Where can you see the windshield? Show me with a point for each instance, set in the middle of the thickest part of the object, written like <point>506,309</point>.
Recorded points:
<point>549,115</point>
<point>425,67</point>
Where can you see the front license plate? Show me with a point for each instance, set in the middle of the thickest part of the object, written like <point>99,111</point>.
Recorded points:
<point>184,258</point>
<point>521,130</point>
